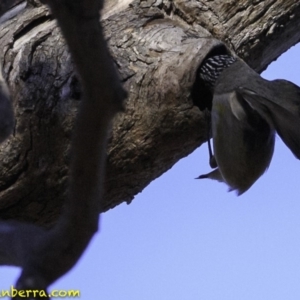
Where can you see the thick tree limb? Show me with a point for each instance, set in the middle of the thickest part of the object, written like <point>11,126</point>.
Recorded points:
<point>157,46</point>
<point>46,255</point>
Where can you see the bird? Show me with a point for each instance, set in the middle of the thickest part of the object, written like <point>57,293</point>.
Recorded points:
<point>246,113</point>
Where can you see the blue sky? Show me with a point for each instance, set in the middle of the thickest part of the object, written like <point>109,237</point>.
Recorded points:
<point>190,239</point>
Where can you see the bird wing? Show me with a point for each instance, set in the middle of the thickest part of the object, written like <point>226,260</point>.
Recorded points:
<point>282,114</point>
<point>243,141</point>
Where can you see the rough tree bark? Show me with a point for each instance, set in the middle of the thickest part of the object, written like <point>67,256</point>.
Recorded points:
<point>157,46</point>
<point>46,255</point>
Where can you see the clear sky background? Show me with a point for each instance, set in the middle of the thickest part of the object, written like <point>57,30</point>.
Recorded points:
<point>190,239</point>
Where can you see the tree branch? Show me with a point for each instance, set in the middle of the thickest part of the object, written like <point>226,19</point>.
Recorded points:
<point>47,255</point>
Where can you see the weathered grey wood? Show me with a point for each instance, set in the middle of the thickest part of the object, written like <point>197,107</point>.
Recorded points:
<point>157,46</point>
<point>259,31</point>
<point>45,255</point>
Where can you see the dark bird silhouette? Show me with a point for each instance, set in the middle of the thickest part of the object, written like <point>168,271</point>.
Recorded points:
<point>246,112</point>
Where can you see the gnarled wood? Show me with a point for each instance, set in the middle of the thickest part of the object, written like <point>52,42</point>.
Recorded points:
<point>46,255</point>
<point>157,46</point>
